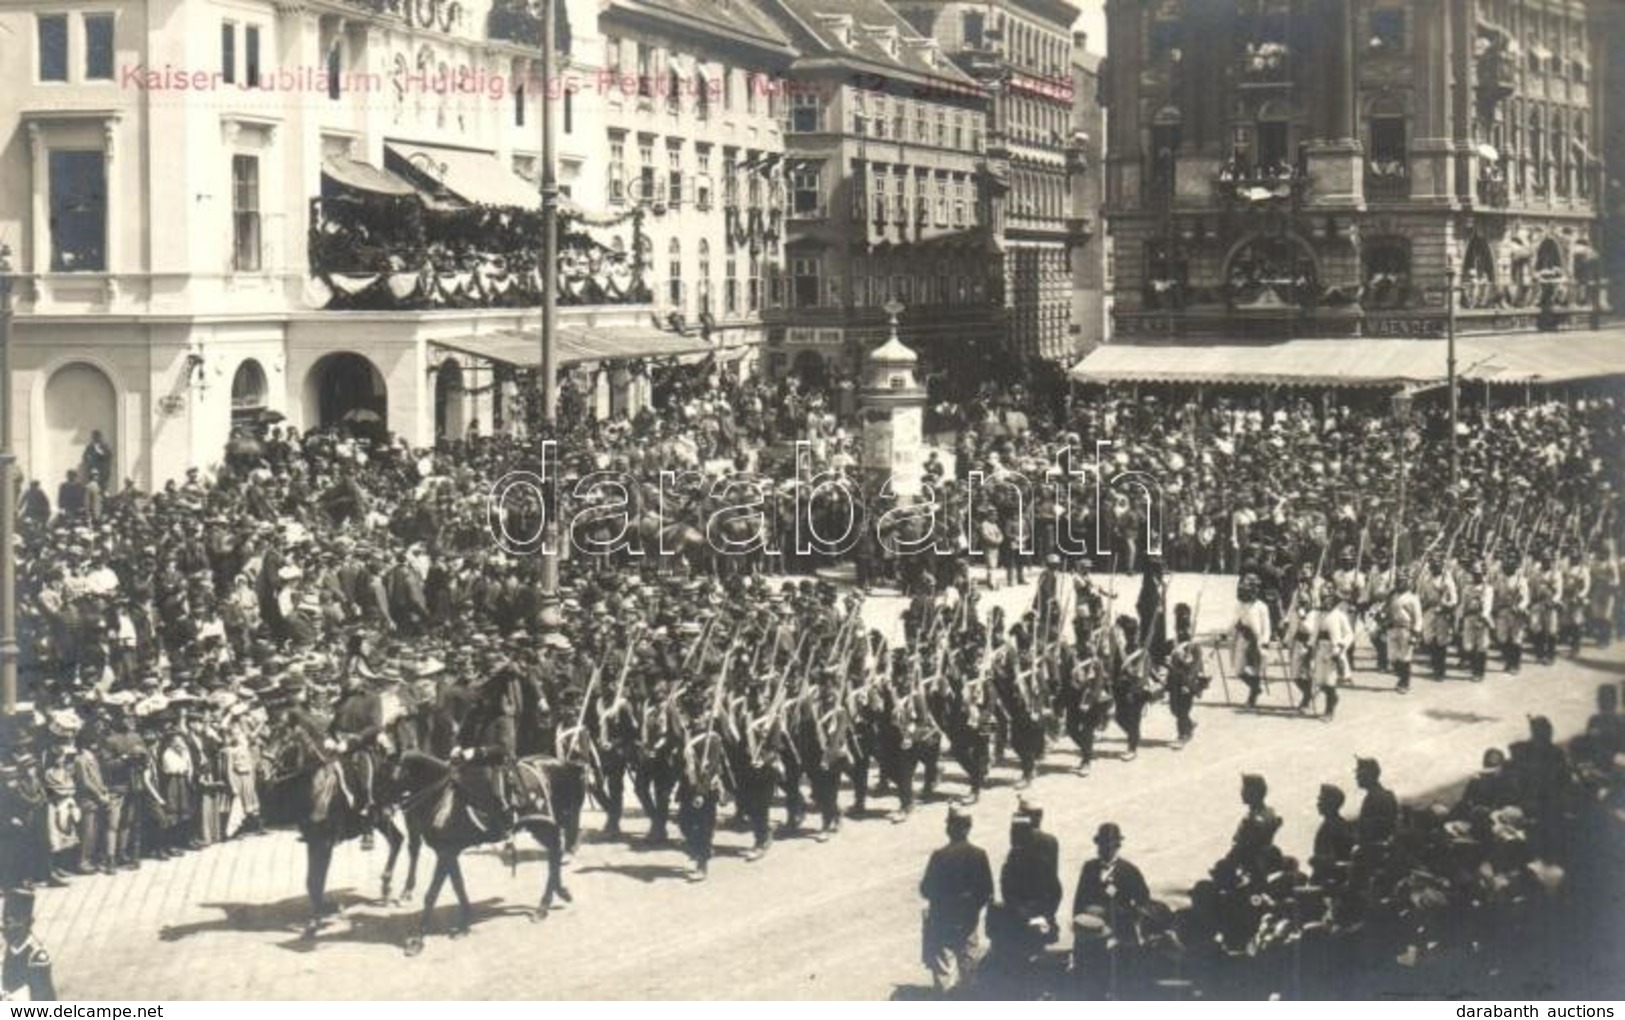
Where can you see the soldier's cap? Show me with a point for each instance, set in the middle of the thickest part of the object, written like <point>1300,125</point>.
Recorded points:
<point>958,816</point>
<point>1028,809</point>
<point>1109,833</point>
<point>19,907</point>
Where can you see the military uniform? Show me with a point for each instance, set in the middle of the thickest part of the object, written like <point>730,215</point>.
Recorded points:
<point>26,973</point>
<point>1405,620</point>
<point>1252,629</point>
<point>1436,590</point>
<point>1511,596</point>
<point>1477,621</point>
<point>1545,609</point>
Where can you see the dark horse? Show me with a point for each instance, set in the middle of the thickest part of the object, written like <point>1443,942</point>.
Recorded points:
<point>454,807</point>
<point>326,797</point>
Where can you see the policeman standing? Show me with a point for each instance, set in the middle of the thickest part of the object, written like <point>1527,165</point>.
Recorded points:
<point>26,976</point>
<point>958,884</point>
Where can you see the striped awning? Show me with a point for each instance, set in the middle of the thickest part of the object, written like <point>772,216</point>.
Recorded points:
<point>578,344</point>
<point>353,173</point>
<point>477,177</point>
<point>1509,358</point>
<point>1293,363</point>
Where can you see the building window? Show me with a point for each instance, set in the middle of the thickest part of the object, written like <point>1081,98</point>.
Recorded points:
<point>228,52</point>
<point>98,47</point>
<point>900,198</point>
<point>705,275</point>
<point>674,88</point>
<point>251,56</point>
<point>78,211</point>
<point>881,106</point>
<point>959,130</point>
<point>727,89</point>
<point>335,62</point>
<point>806,193</point>
<point>646,57</point>
<point>753,284</point>
<point>860,186</point>
<point>646,172</point>
<point>569,110</point>
<point>805,113</point>
<point>730,179</point>
<point>805,280</point>
<point>974,22</point>
<point>860,283</point>
<point>942,201</point>
<point>751,85</point>
<point>942,127</point>
<point>245,213</point>
<point>879,193</point>
<point>860,117</point>
<point>674,274</point>
<point>617,170</point>
<point>519,105</point>
<point>53,47</point>
<point>959,202</point>
<point>674,174</point>
<point>730,282</point>
<point>702,94</point>
<point>1387,30</point>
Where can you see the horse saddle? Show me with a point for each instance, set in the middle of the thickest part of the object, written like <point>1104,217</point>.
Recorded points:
<point>533,793</point>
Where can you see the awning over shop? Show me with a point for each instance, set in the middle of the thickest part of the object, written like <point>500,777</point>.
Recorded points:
<point>577,344</point>
<point>477,177</point>
<point>1293,363</point>
<point>1542,357</point>
<point>1502,358</point>
<point>353,173</point>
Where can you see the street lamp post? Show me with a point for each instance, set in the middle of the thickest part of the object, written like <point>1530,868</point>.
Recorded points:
<point>1402,415</point>
<point>549,615</point>
<point>8,505</point>
<point>1450,358</point>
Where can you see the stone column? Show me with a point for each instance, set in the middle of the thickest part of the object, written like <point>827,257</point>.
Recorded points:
<point>1432,147</point>
<point>1336,163</point>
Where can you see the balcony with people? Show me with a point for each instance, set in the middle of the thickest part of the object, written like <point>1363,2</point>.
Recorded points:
<point>382,241</point>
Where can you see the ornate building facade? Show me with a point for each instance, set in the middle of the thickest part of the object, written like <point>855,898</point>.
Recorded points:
<point>885,149</point>
<point>1324,167</point>
<point>1021,52</point>
<point>227,210</point>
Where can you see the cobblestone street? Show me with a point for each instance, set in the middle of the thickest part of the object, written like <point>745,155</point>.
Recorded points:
<point>834,920</point>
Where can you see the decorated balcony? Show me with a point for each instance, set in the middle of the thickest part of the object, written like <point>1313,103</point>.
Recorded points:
<point>398,254</point>
<point>1265,63</point>
<point>1387,179</point>
<point>1242,187</point>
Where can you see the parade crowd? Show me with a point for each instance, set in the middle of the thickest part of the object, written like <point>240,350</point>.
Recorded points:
<point>339,589</point>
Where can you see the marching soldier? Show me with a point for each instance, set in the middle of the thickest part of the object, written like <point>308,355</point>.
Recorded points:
<point>1545,608</point>
<point>1252,632</point>
<point>1511,596</point>
<point>1351,586</point>
<point>1576,594</point>
<point>1436,590</point>
<point>1405,621</point>
<point>699,790</point>
<point>1379,592</point>
<point>1085,700</point>
<point>1477,620</point>
<point>1187,677</point>
<point>1604,586</point>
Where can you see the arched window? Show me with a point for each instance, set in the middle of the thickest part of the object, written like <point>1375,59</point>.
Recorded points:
<point>248,391</point>
<point>1387,272</point>
<point>1271,271</point>
<point>1478,275</point>
<point>1274,139</point>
